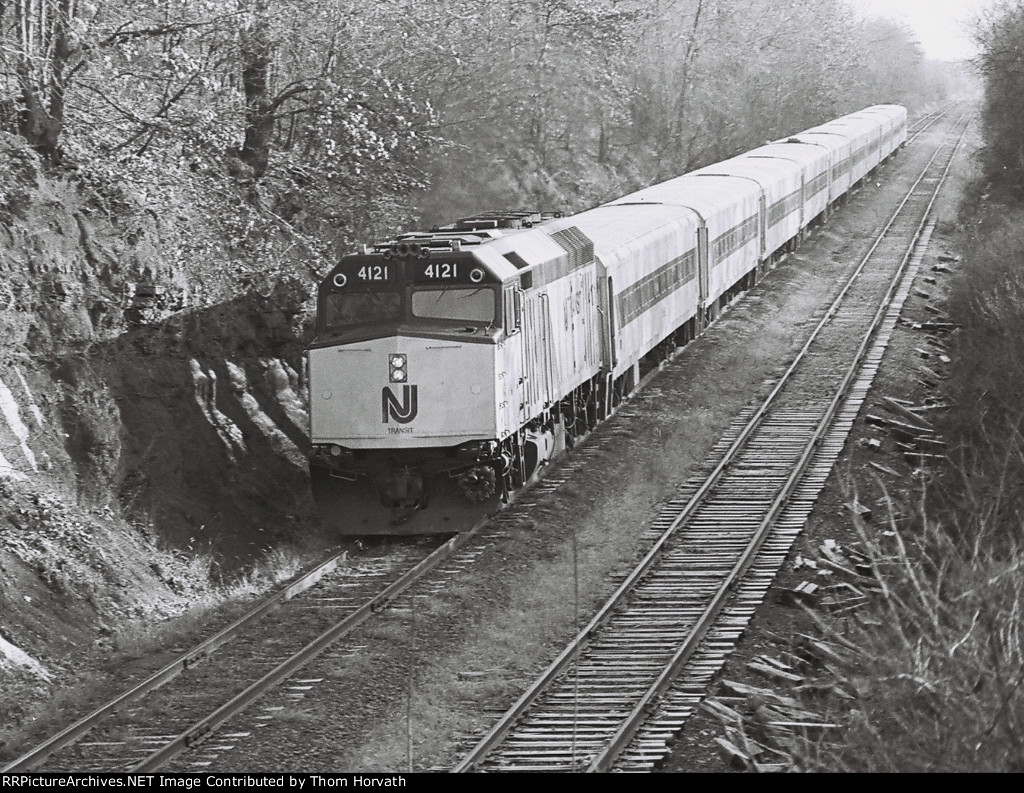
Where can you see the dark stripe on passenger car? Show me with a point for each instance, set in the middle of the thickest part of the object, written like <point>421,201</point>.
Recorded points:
<point>726,244</point>
<point>639,297</point>
<point>783,207</point>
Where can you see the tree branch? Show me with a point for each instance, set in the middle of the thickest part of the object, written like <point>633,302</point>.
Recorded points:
<point>121,35</point>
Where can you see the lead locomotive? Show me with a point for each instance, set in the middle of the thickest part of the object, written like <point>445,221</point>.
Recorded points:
<point>458,362</point>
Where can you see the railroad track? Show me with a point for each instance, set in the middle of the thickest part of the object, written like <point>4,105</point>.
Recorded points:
<point>632,676</point>
<point>142,729</point>
<point>184,703</point>
<point>927,121</point>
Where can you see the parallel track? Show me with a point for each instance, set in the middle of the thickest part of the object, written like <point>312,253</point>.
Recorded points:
<point>926,122</point>
<point>675,619</point>
<point>170,712</point>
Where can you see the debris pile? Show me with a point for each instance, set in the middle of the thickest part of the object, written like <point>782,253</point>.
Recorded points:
<point>768,726</point>
<point>764,728</point>
<point>912,432</point>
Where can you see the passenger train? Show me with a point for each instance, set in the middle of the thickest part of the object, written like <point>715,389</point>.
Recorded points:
<point>459,361</point>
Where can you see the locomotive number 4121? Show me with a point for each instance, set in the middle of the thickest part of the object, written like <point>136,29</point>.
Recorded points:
<point>442,270</point>
<point>373,272</point>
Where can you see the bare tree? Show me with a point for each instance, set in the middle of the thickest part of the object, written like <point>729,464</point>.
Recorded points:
<point>48,51</point>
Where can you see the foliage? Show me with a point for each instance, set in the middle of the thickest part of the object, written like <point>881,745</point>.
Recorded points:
<point>985,381</point>
<point>1000,35</point>
<point>595,98</point>
<point>938,663</point>
<point>19,168</point>
<point>319,123</point>
<point>153,114</point>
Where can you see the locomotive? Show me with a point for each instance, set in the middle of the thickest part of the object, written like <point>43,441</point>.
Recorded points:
<point>456,363</point>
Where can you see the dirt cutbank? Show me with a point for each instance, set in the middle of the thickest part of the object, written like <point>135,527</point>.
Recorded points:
<point>151,424</point>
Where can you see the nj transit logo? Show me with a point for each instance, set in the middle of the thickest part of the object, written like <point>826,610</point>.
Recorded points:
<point>402,411</point>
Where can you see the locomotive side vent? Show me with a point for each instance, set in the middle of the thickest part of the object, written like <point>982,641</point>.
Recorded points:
<point>577,244</point>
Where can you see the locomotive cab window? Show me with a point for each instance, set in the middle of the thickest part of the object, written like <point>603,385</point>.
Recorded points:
<point>462,305</point>
<point>342,309</point>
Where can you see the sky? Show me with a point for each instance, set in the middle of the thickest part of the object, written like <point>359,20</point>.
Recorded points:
<point>937,23</point>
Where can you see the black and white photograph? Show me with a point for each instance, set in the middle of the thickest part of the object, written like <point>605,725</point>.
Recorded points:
<point>423,387</point>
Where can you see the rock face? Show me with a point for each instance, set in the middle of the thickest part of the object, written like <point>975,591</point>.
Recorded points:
<point>149,433</point>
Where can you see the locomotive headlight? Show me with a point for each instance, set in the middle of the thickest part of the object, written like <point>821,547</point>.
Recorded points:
<point>397,368</point>
<point>340,280</point>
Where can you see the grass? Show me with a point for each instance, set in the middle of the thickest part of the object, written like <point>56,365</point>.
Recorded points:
<point>488,666</point>
<point>141,637</point>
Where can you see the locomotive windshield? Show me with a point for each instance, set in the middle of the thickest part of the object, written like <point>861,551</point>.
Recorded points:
<point>369,290</point>
<point>342,309</point>
<point>463,305</point>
